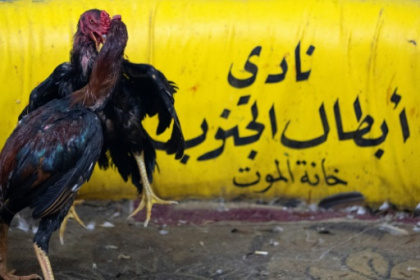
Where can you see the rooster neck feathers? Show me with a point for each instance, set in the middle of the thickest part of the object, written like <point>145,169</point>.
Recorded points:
<point>83,54</point>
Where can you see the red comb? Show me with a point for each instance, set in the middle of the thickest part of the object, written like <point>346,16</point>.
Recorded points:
<point>105,21</point>
<point>116,17</point>
<point>104,14</point>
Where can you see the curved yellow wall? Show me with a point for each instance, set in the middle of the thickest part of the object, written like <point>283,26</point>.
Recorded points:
<point>277,98</point>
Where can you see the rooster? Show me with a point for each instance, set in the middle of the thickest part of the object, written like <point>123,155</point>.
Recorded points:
<point>53,150</point>
<point>142,90</point>
<point>91,32</point>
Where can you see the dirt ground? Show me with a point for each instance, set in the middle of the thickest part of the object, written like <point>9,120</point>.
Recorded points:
<point>213,240</point>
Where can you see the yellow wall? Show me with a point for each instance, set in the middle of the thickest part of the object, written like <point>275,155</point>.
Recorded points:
<point>343,62</point>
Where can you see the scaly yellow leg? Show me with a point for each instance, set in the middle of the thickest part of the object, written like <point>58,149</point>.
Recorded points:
<point>44,262</point>
<point>148,197</point>
<point>71,214</point>
<point>4,274</point>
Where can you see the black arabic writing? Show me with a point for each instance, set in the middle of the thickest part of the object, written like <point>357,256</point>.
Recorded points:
<point>312,180</point>
<point>252,69</point>
<point>359,134</point>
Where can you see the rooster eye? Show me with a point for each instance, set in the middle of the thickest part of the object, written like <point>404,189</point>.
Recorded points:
<point>91,20</point>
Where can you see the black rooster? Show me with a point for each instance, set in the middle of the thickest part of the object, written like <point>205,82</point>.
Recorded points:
<point>53,150</point>
<point>142,90</point>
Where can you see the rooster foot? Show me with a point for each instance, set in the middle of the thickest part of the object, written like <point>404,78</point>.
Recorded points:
<point>71,214</point>
<point>148,197</point>
<point>11,276</point>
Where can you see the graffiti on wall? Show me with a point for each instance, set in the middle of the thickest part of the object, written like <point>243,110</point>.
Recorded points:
<point>316,172</point>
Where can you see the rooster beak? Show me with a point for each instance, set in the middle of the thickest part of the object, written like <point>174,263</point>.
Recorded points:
<point>96,41</point>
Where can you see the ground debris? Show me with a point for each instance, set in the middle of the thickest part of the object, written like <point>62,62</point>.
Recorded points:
<point>263,253</point>
<point>413,268</point>
<point>341,200</point>
<point>416,228</point>
<point>323,230</point>
<point>91,226</point>
<point>123,256</point>
<point>274,243</point>
<point>116,214</point>
<point>359,210</point>
<point>278,229</point>
<point>22,224</point>
<point>416,211</point>
<point>392,229</point>
<point>107,225</point>
<point>163,232</point>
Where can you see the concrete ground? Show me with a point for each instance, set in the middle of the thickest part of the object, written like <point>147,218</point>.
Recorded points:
<point>212,240</point>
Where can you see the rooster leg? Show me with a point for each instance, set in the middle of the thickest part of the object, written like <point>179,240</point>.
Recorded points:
<point>148,197</point>
<point>4,274</point>
<point>44,262</point>
<point>72,214</point>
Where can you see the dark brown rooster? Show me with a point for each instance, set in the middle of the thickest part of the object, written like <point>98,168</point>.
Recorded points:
<point>142,91</point>
<point>68,77</point>
<point>51,153</point>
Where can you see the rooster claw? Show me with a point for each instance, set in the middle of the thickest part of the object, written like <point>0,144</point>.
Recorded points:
<point>71,214</point>
<point>11,276</point>
<point>148,197</point>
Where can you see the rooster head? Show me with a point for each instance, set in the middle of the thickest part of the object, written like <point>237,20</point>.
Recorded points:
<point>95,25</point>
